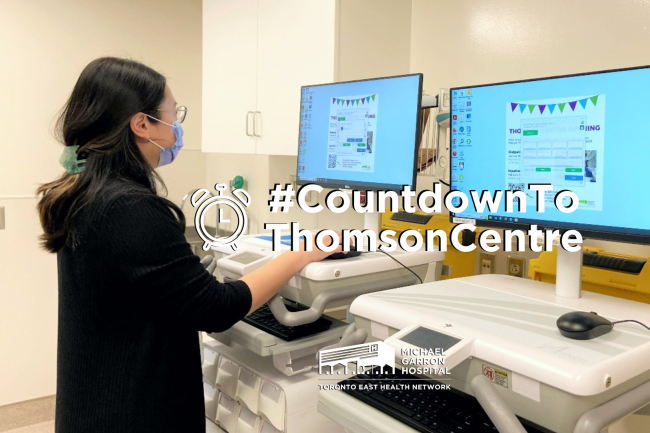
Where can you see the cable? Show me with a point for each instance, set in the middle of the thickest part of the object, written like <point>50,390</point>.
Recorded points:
<point>634,321</point>
<point>403,265</point>
<point>444,183</point>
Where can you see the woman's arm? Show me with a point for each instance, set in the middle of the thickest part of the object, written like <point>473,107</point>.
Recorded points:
<point>267,280</point>
<point>157,275</point>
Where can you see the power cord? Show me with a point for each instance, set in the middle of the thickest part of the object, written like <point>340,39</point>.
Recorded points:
<point>403,265</point>
<point>633,321</point>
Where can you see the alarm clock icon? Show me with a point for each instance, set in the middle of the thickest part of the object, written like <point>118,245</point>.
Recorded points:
<point>238,205</point>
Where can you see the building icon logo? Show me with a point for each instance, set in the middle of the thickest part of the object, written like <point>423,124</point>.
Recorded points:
<point>373,354</point>
<point>238,204</point>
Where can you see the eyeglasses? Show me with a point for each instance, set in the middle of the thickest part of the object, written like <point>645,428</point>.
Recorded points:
<point>181,113</point>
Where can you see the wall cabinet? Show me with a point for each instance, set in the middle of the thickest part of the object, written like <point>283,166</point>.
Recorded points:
<point>256,56</point>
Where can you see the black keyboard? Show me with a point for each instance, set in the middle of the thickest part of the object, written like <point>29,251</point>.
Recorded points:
<point>411,218</point>
<point>263,319</point>
<point>428,411</point>
<point>592,258</point>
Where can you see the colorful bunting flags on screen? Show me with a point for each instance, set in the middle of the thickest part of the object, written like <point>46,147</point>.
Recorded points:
<point>550,108</point>
<point>359,101</point>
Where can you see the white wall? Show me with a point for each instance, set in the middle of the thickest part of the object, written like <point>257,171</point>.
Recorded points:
<point>467,42</point>
<point>470,42</point>
<point>374,38</point>
<point>44,47</point>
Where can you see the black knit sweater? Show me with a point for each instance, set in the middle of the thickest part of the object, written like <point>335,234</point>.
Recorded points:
<point>132,297</point>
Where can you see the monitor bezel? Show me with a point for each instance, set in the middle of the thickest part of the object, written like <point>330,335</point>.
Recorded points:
<point>597,234</point>
<point>370,186</point>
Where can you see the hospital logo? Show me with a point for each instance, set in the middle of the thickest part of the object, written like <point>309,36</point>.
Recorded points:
<point>376,354</point>
<point>204,199</point>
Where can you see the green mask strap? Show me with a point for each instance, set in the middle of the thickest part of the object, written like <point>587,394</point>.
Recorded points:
<point>68,160</point>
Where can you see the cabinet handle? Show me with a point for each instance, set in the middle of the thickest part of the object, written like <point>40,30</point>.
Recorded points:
<point>247,114</point>
<point>255,113</point>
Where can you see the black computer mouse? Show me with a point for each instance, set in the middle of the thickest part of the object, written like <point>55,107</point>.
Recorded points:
<point>338,256</point>
<point>581,325</point>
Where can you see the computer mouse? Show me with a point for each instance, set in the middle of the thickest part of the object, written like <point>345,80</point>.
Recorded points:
<point>338,256</point>
<point>581,325</point>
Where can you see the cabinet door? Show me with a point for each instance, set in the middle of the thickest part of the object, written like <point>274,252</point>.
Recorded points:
<point>229,75</point>
<point>296,47</point>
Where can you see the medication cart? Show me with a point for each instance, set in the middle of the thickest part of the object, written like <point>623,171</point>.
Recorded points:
<point>257,382</point>
<point>507,337</point>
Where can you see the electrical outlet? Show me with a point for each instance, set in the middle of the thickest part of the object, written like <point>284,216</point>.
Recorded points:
<point>487,263</point>
<point>517,267</point>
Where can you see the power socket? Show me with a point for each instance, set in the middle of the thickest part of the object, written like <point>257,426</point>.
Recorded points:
<point>517,267</point>
<point>487,263</point>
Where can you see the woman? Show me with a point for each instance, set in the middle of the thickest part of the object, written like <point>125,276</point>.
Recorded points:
<point>132,296</point>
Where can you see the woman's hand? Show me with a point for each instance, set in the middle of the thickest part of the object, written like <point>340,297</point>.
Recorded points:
<point>315,254</point>
<point>267,280</point>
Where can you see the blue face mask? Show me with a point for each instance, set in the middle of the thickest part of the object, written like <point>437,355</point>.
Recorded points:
<point>168,154</point>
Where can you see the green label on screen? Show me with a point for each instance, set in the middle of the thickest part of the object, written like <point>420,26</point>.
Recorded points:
<point>543,169</point>
<point>530,132</point>
<point>573,170</point>
<point>341,118</point>
<point>346,144</point>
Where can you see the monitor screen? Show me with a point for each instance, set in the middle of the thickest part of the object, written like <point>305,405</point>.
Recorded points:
<point>360,134</point>
<point>584,133</point>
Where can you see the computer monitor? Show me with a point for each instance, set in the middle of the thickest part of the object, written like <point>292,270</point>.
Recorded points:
<point>360,134</point>
<point>585,133</point>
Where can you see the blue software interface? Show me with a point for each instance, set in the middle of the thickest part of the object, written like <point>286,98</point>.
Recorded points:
<point>586,133</point>
<point>360,133</point>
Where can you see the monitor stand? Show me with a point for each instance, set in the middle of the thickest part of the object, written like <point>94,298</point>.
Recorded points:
<point>371,221</point>
<point>568,279</point>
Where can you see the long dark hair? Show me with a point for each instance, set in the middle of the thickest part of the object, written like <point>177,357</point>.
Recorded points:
<point>108,93</point>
